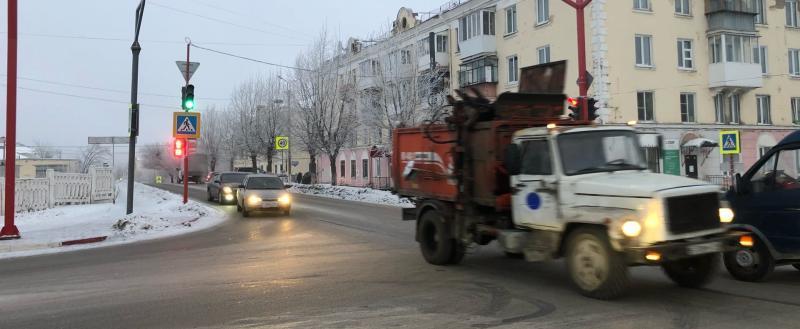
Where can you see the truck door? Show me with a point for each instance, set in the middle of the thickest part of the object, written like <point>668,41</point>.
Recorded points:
<point>534,192</point>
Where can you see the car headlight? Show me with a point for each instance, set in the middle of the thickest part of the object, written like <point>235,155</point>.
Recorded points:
<point>253,199</point>
<point>726,215</point>
<point>227,190</point>
<point>285,199</point>
<point>631,228</point>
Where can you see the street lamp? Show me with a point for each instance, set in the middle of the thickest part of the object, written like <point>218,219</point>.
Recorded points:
<point>134,128</point>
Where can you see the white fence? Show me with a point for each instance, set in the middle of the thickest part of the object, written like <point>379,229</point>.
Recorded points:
<point>61,189</point>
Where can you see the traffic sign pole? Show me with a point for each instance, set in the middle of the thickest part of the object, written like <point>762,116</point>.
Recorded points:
<point>186,156</point>
<point>9,230</point>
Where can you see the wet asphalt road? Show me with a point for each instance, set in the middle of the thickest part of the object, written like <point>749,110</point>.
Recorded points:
<point>337,264</point>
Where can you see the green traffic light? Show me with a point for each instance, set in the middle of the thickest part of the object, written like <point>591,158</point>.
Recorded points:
<point>188,104</point>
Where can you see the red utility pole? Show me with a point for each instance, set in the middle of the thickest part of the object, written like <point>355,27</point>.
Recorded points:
<point>10,230</point>
<point>583,81</point>
<point>186,156</point>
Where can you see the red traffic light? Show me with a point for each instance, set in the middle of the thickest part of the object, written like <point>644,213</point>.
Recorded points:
<point>179,148</point>
<point>572,101</point>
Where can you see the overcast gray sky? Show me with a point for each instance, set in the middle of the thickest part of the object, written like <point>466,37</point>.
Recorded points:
<point>67,46</point>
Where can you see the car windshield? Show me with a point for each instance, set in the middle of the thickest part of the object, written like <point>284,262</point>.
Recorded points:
<point>599,151</point>
<point>232,178</point>
<point>264,183</point>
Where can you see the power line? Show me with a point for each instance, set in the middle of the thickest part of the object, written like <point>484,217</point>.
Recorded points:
<point>102,38</point>
<point>252,17</point>
<point>91,97</point>
<point>221,21</point>
<point>248,58</point>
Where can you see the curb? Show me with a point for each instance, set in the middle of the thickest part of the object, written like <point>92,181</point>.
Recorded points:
<point>83,241</point>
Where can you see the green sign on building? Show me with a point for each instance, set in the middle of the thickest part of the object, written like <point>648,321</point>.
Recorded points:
<point>672,157</point>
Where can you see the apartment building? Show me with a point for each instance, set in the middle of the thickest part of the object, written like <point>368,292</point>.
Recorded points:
<point>686,69</point>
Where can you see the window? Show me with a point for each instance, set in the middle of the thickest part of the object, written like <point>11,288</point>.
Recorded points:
<point>470,25</point>
<point>353,168</point>
<point>732,48</point>
<point>478,71</point>
<point>715,49</point>
<point>796,110</point>
<point>544,54</point>
<point>441,44</point>
<point>685,54</point>
<point>644,50</point>
<point>536,158</point>
<point>760,57</point>
<point>341,169</point>
<point>644,103</point>
<point>763,109</point>
<point>542,11</point>
<point>488,23</point>
<point>794,62</point>
<point>687,107</point>
<point>779,172</point>
<point>422,48</point>
<point>511,19</point>
<point>791,13</point>
<point>642,5</point>
<point>513,69</point>
<point>719,107</point>
<point>364,167</point>
<point>734,106</point>
<point>405,56</point>
<point>761,18</point>
<point>683,7</point>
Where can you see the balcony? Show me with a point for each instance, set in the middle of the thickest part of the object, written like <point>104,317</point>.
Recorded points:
<point>735,75</point>
<point>731,15</point>
<point>478,45</point>
<point>424,62</point>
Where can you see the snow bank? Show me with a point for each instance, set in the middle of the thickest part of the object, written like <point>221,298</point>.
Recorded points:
<point>353,194</point>
<point>157,213</point>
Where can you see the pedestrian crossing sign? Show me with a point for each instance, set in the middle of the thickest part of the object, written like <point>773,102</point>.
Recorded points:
<point>730,142</point>
<point>186,125</point>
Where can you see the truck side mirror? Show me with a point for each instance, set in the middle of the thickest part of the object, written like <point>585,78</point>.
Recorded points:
<point>512,159</point>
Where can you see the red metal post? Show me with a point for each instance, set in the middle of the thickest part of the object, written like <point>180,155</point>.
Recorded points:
<point>10,230</point>
<point>186,156</point>
<point>583,82</point>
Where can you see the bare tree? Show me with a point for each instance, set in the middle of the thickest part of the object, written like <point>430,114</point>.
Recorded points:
<point>158,157</point>
<point>93,156</point>
<point>327,99</point>
<point>211,136</point>
<point>44,151</point>
<point>245,102</point>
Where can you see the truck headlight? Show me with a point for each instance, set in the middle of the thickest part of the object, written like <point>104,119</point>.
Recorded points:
<point>726,215</point>
<point>253,200</point>
<point>227,190</point>
<point>285,200</point>
<point>631,228</point>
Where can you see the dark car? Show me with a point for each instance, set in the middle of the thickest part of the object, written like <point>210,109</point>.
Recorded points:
<point>223,186</point>
<point>766,202</point>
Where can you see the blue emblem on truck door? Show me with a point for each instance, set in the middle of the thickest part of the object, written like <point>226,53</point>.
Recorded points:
<point>534,201</point>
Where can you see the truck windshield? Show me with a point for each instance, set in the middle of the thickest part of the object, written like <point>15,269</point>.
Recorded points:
<point>264,183</point>
<point>599,151</point>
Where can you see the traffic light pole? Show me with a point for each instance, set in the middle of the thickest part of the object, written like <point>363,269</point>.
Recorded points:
<point>134,128</point>
<point>186,156</point>
<point>9,230</point>
<point>583,81</point>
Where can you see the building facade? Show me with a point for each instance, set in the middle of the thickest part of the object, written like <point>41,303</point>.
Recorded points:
<point>684,69</point>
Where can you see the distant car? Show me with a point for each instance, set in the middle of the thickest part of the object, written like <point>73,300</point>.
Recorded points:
<point>766,202</point>
<point>263,192</point>
<point>222,187</point>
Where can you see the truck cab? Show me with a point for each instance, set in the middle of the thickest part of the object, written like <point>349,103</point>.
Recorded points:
<point>766,200</point>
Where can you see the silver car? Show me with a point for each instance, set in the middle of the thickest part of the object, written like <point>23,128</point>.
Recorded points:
<point>263,192</point>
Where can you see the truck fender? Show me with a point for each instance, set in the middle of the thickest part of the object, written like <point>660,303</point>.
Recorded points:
<point>761,237</point>
<point>608,218</point>
<point>444,209</point>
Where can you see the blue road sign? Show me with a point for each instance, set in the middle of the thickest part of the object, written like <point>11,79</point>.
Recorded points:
<point>186,125</point>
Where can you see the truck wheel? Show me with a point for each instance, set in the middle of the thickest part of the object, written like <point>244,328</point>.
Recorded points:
<point>692,272</point>
<point>751,264</point>
<point>459,251</point>
<point>245,213</point>
<point>597,270</point>
<point>436,249</point>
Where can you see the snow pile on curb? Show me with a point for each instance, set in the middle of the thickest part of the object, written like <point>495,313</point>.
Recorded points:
<point>353,194</point>
<point>157,214</point>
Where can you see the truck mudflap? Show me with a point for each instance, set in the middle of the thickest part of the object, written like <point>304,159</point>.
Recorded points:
<point>681,249</point>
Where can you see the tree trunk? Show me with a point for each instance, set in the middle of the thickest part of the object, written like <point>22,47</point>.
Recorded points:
<point>213,164</point>
<point>253,158</point>
<point>269,163</point>
<point>333,170</point>
<point>233,157</point>
<point>312,163</point>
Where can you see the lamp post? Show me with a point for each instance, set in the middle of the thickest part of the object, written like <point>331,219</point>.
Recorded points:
<point>9,230</point>
<point>134,128</point>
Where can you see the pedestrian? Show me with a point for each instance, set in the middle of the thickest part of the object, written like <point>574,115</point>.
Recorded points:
<point>171,178</point>
<point>299,178</point>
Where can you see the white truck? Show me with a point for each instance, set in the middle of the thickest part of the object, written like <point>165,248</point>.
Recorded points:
<point>546,187</point>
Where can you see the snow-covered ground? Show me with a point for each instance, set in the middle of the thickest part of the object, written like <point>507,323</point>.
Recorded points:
<point>353,194</point>
<point>157,214</point>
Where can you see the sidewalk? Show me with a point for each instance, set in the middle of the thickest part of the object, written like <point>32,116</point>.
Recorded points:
<point>157,213</point>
